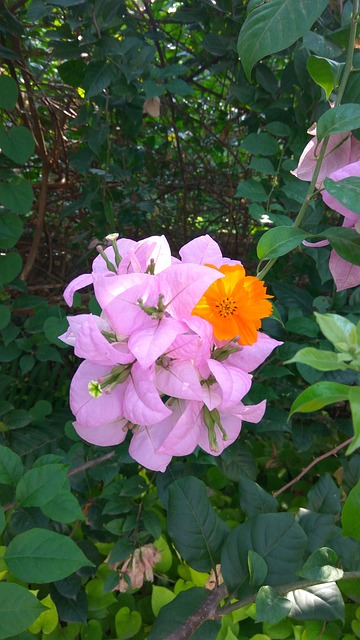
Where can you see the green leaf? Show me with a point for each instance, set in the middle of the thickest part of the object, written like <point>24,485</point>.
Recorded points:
<point>354,398</point>
<point>72,72</point>
<point>10,267</point>
<point>321,566</point>
<point>350,517</point>
<point>320,395</point>
<point>277,242</point>
<point>270,606</point>
<point>53,328</point>
<point>346,242</point>
<point>273,26</point>
<point>8,92</point>
<point>202,532</point>
<point>260,143</point>
<point>127,623</point>
<point>11,466</point>
<point>5,316</point>
<point>16,195</point>
<point>160,596</point>
<point>64,507</point>
<point>254,499</point>
<point>257,569</point>
<point>17,419</point>
<point>346,191</point>
<point>38,486</point>
<point>18,609</point>
<point>42,556</point>
<point>322,602</point>
<point>179,87</point>
<point>174,614</point>
<point>17,144</point>
<point>11,228</point>
<point>2,521</point>
<point>324,496</point>
<point>276,537</point>
<point>97,78</point>
<point>326,73</point>
<point>252,190</point>
<point>338,330</point>
<point>339,119</point>
<point>318,359</point>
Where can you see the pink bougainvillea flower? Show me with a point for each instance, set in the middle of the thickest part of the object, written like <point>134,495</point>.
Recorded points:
<point>103,435</point>
<point>97,409</point>
<point>204,250</point>
<point>346,275</point>
<point>86,333</point>
<point>152,254</point>
<point>341,150</point>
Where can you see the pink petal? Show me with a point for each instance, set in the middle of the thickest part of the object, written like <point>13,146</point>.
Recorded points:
<point>144,447</point>
<point>75,322</point>
<point>234,382</point>
<point>104,435</point>
<point>232,425</point>
<point>337,155</point>
<point>348,171</point>
<point>92,345</point>
<point>76,284</point>
<point>203,250</point>
<point>345,274</point>
<point>123,311</point>
<point>183,425</point>
<point>250,412</point>
<point>179,380</point>
<point>183,285</point>
<point>91,411</point>
<point>250,357</point>
<point>142,404</point>
<point>108,286</point>
<point>149,343</point>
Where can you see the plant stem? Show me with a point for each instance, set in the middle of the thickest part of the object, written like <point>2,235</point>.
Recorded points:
<point>311,190</point>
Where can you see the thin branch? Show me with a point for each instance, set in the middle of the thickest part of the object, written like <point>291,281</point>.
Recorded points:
<point>311,465</point>
<point>206,611</point>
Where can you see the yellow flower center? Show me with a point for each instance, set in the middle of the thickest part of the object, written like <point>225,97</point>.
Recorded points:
<point>226,307</point>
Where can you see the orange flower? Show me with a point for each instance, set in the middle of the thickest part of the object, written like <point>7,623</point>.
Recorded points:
<point>235,305</point>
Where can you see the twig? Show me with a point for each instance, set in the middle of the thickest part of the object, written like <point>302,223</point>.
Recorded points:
<point>311,465</point>
<point>206,611</point>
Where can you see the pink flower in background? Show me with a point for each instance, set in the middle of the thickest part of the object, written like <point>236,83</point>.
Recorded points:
<point>342,160</point>
<point>151,368</point>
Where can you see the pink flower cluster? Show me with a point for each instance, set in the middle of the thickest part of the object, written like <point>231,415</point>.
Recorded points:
<point>342,160</point>
<point>137,568</point>
<point>151,367</point>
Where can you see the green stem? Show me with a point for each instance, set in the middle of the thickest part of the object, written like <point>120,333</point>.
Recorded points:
<point>347,70</point>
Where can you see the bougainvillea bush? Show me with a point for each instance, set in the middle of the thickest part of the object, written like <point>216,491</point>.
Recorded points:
<point>179,320</point>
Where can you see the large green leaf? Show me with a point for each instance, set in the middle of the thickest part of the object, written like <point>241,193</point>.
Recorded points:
<point>339,119</point>
<point>97,77</point>
<point>273,26</point>
<point>196,530</point>
<point>270,606</point>
<point>346,191</point>
<point>17,144</point>
<point>174,614</point>
<point>321,566</point>
<point>127,623</point>
<point>354,399</point>
<point>18,609</point>
<point>350,517</point>
<point>8,92</point>
<point>320,395</point>
<point>279,241</point>
<point>324,496</point>
<point>11,466</point>
<point>319,359</point>
<point>40,485</point>
<point>254,499</point>
<point>11,228</point>
<point>41,556</point>
<point>16,195</point>
<point>346,243</point>
<point>339,330</point>
<point>276,537</point>
<point>326,73</point>
<point>322,602</point>
<point>10,267</point>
